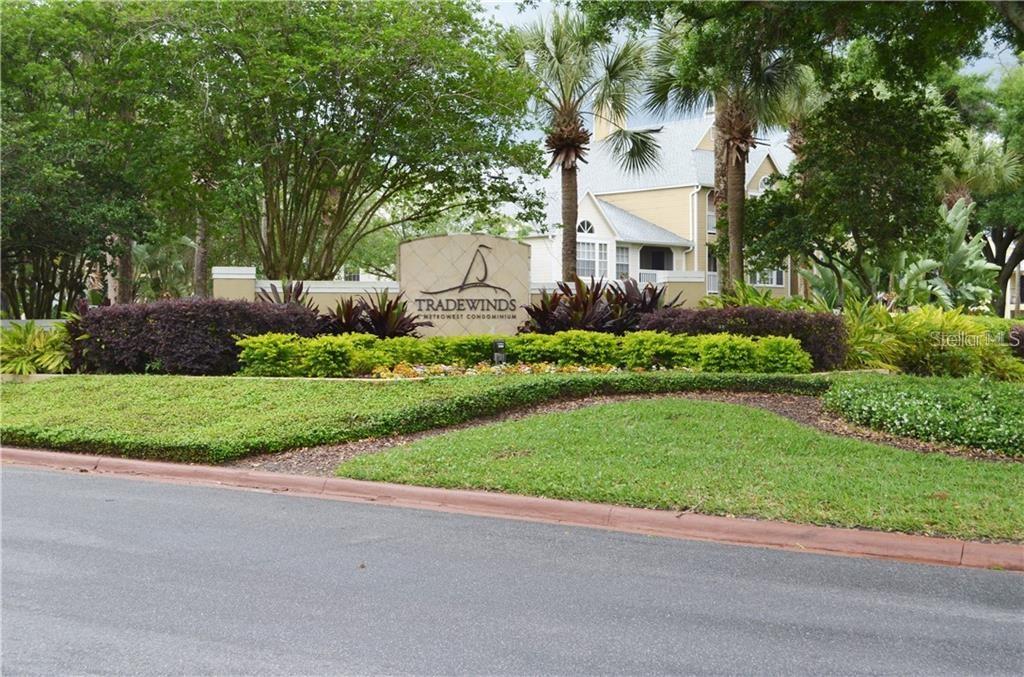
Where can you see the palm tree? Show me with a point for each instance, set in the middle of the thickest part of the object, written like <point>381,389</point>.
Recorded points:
<point>978,168</point>
<point>582,76</point>
<point>746,97</point>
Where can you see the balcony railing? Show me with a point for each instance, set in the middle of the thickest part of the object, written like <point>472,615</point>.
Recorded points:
<point>648,276</point>
<point>712,283</point>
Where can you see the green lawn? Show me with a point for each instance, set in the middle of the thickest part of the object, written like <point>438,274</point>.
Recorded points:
<point>718,459</point>
<point>213,419</point>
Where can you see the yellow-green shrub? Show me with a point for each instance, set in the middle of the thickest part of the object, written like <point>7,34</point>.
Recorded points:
<point>726,352</point>
<point>271,355</point>
<point>643,349</point>
<point>326,357</point>
<point>781,355</point>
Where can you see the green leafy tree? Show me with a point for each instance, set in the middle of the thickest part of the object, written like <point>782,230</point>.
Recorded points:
<point>1001,218</point>
<point>863,190</point>
<point>74,152</point>
<point>989,171</point>
<point>580,75</point>
<point>969,94</point>
<point>907,41</point>
<point>331,112</point>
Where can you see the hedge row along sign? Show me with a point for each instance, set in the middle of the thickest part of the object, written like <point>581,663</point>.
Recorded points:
<point>466,284</point>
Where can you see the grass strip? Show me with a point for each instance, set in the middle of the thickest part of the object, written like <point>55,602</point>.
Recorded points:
<point>215,419</point>
<point>718,459</point>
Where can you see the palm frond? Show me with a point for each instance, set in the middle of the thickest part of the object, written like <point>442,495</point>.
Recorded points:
<point>636,149</point>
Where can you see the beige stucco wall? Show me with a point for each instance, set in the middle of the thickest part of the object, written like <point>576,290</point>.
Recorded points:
<point>707,142</point>
<point>242,290</point>
<point>690,292</point>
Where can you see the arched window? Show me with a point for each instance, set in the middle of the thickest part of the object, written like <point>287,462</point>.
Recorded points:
<point>585,227</point>
<point>763,184</point>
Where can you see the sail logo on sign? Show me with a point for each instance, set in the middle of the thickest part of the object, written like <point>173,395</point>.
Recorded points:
<point>474,279</point>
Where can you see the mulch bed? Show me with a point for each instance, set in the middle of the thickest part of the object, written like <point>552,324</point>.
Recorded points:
<point>804,409</point>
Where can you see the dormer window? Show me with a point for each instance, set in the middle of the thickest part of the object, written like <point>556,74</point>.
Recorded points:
<point>585,227</point>
<point>764,184</point>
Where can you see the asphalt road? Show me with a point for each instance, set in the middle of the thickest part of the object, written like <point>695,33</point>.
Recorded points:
<point>108,575</point>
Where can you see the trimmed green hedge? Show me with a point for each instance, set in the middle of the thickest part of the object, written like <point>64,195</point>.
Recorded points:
<point>359,354</point>
<point>215,419</point>
<point>973,412</point>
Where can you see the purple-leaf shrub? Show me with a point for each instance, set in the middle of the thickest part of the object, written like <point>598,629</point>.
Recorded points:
<point>181,336</point>
<point>823,335</point>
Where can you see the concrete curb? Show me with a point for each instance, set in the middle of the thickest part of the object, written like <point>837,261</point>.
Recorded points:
<point>737,531</point>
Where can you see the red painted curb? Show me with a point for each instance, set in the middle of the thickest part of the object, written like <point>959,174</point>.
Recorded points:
<point>737,531</point>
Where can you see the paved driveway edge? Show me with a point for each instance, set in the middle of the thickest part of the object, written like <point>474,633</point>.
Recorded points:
<point>737,531</point>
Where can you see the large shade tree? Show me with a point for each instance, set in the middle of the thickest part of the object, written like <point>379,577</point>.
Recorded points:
<point>333,111</point>
<point>1001,208</point>
<point>863,188</point>
<point>77,142</point>
<point>582,76</point>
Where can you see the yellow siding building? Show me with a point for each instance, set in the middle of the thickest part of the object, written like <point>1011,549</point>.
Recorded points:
<point>655,225</point>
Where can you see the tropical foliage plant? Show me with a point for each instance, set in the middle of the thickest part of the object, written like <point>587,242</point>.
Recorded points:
<point>385,316</point>
<point>291,292</point>
<point>602,306</point>
<point>26,348</point>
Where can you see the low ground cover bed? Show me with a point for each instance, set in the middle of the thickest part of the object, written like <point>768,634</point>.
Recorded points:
<point>714,458</point>
<point>970,411</point>
<point>214,419</point>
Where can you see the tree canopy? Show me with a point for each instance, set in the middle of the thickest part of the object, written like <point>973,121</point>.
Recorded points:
<point>334,111</point>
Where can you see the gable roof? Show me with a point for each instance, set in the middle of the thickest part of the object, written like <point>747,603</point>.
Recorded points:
<point>631,228</point>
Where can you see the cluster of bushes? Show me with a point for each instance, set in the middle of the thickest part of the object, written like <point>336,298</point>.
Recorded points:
<point>199,337</point>
<point>1009,332</point>
<point>970,412</point>
<point>823,335</point>
<point>278,354</point>
<point>931,341</point>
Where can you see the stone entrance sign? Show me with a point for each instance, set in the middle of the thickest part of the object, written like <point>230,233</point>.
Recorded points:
<point>466,284</point>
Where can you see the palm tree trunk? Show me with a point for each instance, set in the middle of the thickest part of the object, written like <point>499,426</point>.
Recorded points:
<point>721,185</point>
<point>200,271</point>
<point>735,197</point>
<point>570,208</point>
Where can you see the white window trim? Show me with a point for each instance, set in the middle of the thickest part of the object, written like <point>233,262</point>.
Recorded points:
<point>592,243</point>
<point>710,215</point>
<point>618,263</point>
<point>773,271</point>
